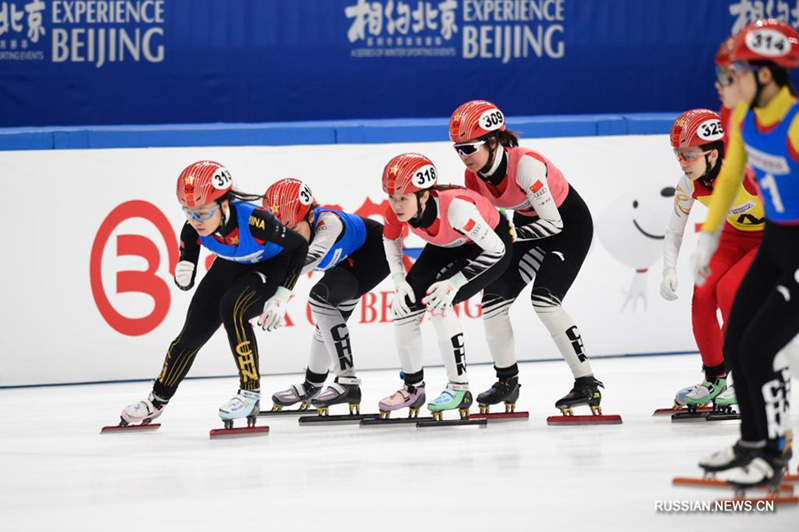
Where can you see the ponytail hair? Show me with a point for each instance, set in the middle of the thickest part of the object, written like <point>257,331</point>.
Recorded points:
<point>237,195</point>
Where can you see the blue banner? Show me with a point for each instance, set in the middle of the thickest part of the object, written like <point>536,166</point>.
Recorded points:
<point>78,62</point>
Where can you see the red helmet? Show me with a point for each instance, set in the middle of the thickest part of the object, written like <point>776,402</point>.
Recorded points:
<point>203,182</point>
<point>696,127</point>
<point>474,119</point>
<point>724,53</point>
<point>409,173</point>
<point>767,40</point>
<point>289,200</point>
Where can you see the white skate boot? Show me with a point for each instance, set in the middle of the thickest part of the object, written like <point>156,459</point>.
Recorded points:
<point>142,412</point>
<point>245,404</point>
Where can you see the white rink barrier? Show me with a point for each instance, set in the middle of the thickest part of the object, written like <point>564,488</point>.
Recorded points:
<point>91,237</point>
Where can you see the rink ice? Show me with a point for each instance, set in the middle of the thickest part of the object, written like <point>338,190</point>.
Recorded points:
<point>57,473</point>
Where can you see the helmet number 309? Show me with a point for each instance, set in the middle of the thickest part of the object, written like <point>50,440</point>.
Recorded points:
<point>221,179</point>
<point>768,42</point>
<point>492,120</point>
<point>425,177</point>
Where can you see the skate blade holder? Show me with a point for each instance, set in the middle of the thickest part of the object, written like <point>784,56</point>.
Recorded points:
<point>510,414</point>
<point>303,410</point>
<point>147,427</point>
<point>343,419</point>
<point>709,482</point>
<point>384,419</point>
<point>679,410</point>
<point>596,418</point>
<point>464,421</point>
<point>241,432</point>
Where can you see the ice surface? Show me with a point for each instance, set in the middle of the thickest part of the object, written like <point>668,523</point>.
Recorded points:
<point>57,473</point>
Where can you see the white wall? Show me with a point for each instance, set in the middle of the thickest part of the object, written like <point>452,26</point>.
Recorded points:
<point>56,201</point>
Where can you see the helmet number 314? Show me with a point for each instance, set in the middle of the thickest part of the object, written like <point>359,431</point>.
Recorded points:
<point>768,42</point>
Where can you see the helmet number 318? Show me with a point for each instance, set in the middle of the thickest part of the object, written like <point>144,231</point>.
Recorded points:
<point>425,177</point>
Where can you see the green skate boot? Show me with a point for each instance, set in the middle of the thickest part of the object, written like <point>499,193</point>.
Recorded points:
<point>454,396</point>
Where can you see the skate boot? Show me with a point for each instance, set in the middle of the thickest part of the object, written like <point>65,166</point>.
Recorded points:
<point>729,458</point>
<point>296,393</point>
<point>245,404</point>
<point>343,390</point>
<point>584,392</point>
<point>455,395</point>
<point>766,469</point>
<point>727,398</point>
<point>507,391</point>
<point>679,397</point>
<point>142,412</point>
<point>705,393</point>
<point>412,397</point>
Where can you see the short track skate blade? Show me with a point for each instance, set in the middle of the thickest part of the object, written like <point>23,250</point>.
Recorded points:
<point>239,432</point>
<point>411,421</point>
<point>689,417</point>
<point>790,478</point>
<point>584,420</point>
<point>670,411</point>
<point>425,424</point>
<point>344,419</point>
<point>502,416</point>
<point>723,416</point>
<point>271,413</point>
<point>130,428</point>
<point>718,483</point>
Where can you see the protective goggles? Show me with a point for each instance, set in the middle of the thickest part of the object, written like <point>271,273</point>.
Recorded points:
<point>468,148</point>
<point>200,216</point>
<point>724,76</point>
<point>690,156</point>
<point>738,68</point>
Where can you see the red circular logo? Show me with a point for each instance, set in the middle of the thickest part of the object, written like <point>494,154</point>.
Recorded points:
<point>146,282</point>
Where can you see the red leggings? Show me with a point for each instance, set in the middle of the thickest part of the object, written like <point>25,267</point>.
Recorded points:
<point>728,266</point>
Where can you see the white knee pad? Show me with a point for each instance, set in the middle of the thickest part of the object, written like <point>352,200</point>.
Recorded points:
<point>408,335</point>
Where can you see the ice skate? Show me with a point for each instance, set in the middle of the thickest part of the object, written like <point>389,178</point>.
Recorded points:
<point>501,391</point>
<point>584,392</point>
<point>139,416</point>
<point>456,396</point>
<point>343,390</point>
<point>765,469</point>
<point>706,392</point>
<point>506,391</point>
<point>727,397</point>
<point>680,403</point>
<point>410,397</point>
<point>246,404</point>
<point>296,393</point>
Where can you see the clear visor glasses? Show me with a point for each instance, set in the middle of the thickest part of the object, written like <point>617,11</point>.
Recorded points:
<point>689,157</point>
<point>468,148</point>
<point>725,76</point>
<point>200,216</point>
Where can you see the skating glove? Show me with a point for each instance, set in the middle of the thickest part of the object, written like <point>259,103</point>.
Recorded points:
<point>184,274</point>
<point>440,295</point>
<point>402,289</point>
<point>275,310</point>
<point>668,286</point>
<point>700,261</point>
